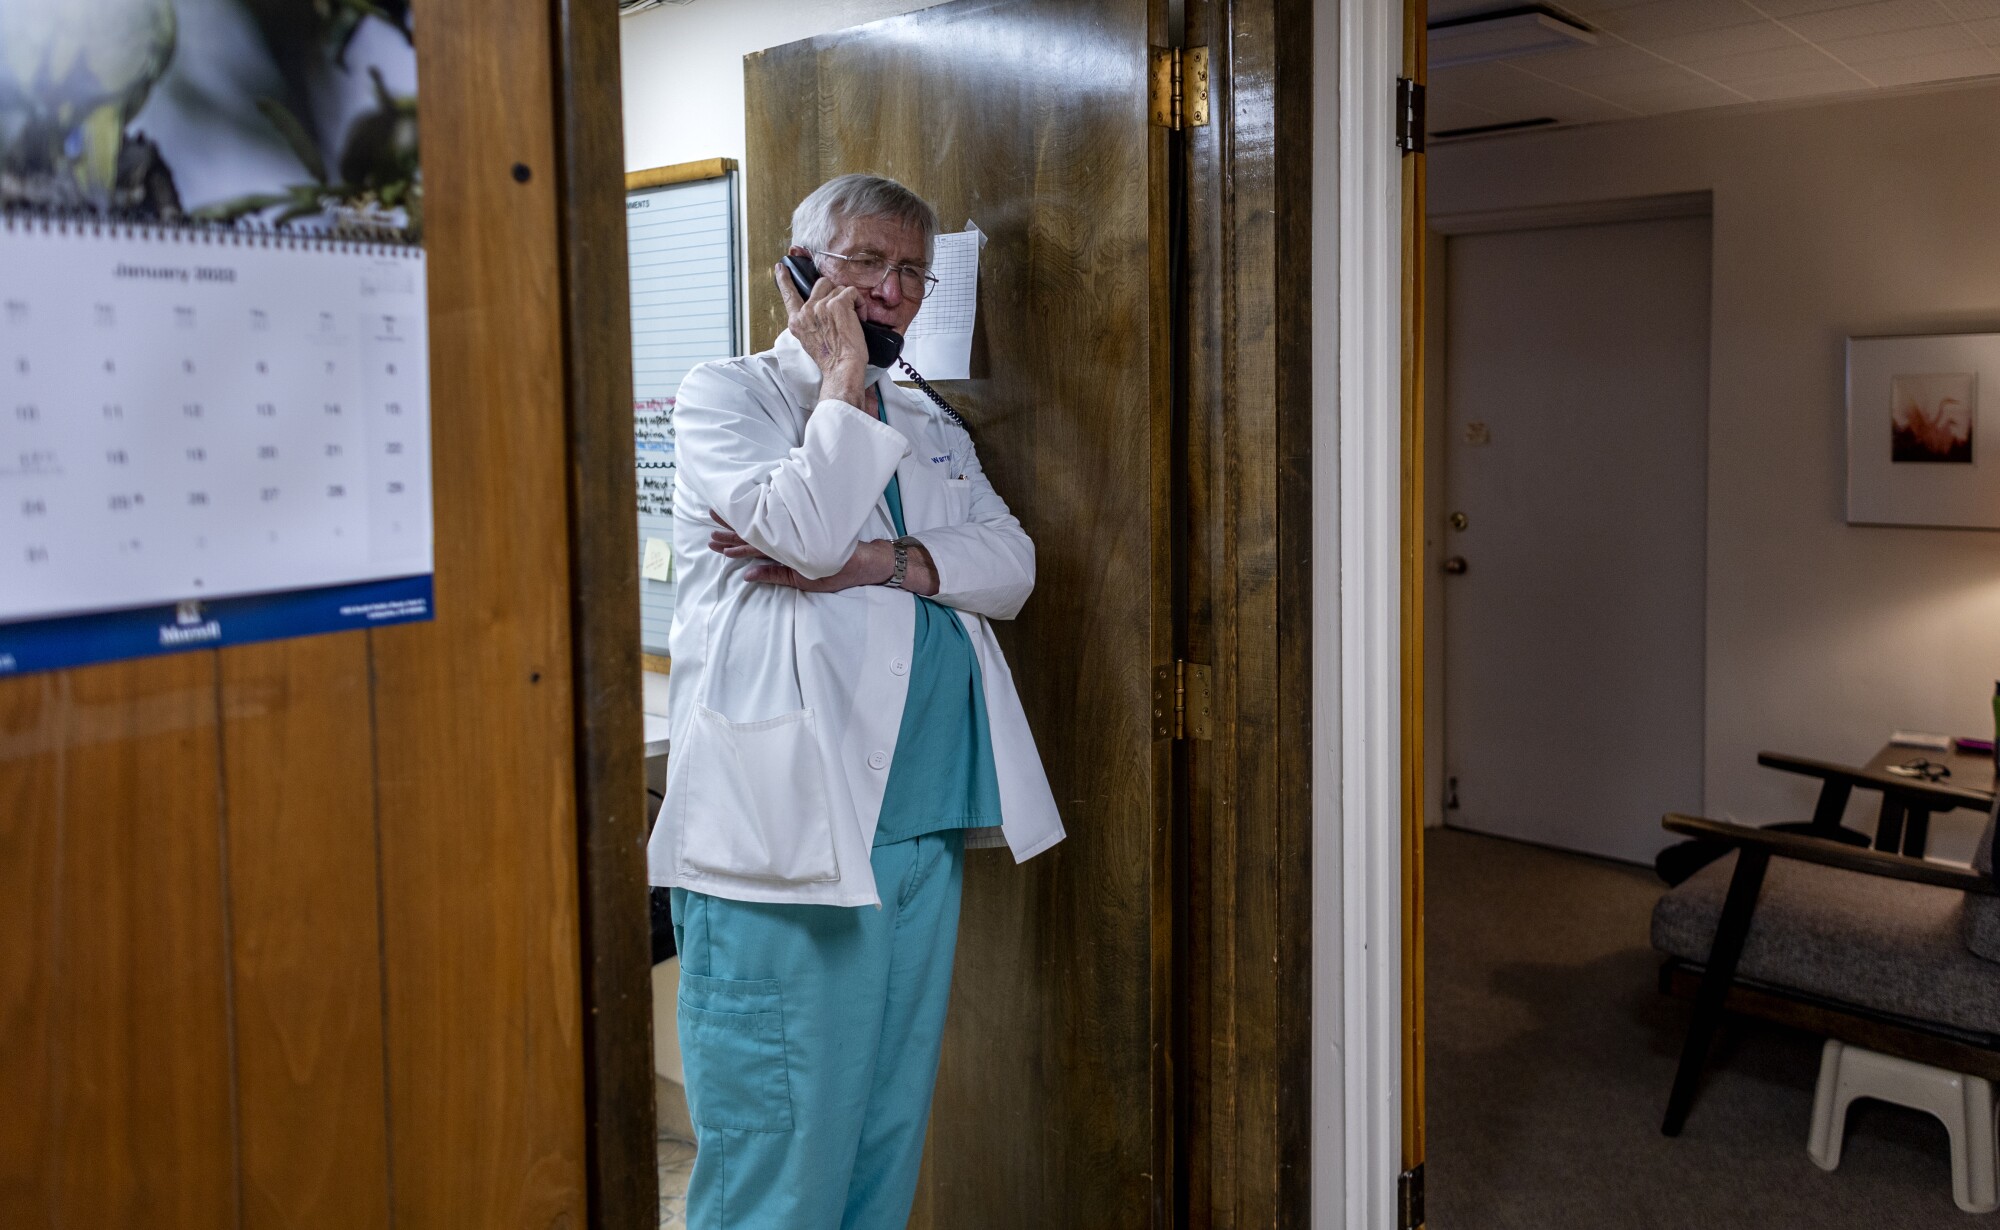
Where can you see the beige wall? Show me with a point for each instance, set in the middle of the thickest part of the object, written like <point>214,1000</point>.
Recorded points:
<point>1879,215</point>
<point>683,68</point>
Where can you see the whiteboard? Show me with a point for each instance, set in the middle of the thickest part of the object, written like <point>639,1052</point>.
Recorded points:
<point>681,243</point>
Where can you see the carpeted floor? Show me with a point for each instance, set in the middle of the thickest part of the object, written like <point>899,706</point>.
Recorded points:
<point>1550,1057</point>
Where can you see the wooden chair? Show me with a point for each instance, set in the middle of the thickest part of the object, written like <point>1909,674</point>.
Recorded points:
<point>1873,948</point>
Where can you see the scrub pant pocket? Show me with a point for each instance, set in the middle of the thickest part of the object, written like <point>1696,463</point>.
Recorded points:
<point>733,1046</point>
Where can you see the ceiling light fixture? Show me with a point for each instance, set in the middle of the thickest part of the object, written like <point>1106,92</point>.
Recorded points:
<point>1505,35</point>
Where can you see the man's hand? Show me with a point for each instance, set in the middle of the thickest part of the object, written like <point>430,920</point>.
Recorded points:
<point>828,325</point>
<point>872,563</point>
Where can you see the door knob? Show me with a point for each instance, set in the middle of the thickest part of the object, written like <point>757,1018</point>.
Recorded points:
<point>1455,566</point>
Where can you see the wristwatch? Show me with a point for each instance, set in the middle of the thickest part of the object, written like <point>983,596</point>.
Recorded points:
<point>901,546</point>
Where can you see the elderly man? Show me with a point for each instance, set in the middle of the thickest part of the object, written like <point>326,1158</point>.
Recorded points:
<point>844,726</point>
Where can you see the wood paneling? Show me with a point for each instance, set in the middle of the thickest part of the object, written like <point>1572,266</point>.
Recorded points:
<point>1029,117</point>
<point>30,861</point>
<point>143,1128</point>
<point>475,756</point>
<point>1248,612</point>
<point>298,771</point>
<point>290,934</point>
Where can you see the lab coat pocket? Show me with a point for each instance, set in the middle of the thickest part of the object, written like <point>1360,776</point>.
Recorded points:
<point>733,1046</point>
<point>755,800</point>
<point>957,501</point>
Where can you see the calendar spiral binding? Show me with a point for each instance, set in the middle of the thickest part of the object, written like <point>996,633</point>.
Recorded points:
<point>349,240</point>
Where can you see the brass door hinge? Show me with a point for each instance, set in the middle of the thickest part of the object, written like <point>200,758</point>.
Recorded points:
<point>1183,702</point>
<point>1179,90</point>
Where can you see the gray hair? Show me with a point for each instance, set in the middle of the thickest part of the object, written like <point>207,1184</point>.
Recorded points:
<point>844,198</point>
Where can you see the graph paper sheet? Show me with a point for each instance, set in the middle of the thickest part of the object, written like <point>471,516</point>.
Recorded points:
<point>939,341</point>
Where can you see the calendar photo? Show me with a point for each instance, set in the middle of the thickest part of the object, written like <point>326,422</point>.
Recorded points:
<point>214,368</point>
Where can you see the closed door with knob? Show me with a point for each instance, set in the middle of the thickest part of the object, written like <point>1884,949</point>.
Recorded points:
<point>1574,540</point>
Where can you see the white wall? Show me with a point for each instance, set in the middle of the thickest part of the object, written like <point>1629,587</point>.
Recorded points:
<point>683,68</point>
<point>1878,215</point>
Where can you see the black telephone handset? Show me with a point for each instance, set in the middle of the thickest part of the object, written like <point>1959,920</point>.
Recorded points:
<point>884,343</point>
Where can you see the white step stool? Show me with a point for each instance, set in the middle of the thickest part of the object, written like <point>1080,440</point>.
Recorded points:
<point>1963,1103</point>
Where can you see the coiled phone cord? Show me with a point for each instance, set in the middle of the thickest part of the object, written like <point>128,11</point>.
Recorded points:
<point>934,395</point>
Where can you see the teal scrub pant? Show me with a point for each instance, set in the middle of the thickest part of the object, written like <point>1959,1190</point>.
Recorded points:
<point>810,1038</point>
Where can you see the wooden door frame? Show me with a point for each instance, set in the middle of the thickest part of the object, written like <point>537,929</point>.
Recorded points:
<point>616,1019</point>
<point>1243,436</point>
<point>1412,651</point>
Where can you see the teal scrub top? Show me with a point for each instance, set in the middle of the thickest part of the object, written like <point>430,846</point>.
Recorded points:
<point>943,776</point>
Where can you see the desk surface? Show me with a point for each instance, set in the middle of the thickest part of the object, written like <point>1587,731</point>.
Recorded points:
<point>656,734</point>
<point>1968,772</point>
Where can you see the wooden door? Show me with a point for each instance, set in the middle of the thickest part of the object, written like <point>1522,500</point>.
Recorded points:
<point>1029,117</point>
<point>293,934</point>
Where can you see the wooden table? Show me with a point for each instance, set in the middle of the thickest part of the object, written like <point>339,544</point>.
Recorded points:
<point>1908,803</point>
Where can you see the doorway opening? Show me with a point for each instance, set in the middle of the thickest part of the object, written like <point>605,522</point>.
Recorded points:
<point>1665,571</point>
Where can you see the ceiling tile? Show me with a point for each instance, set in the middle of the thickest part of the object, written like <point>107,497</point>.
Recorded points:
<point>1901,43</point>
<point>1591,8</point>
<point>1661,76</point>
<point>1443,114</point>
<point>1833,79</point>
<point>1664,18</point>
<point>1445,10</point>
<point>1650,93</point>
<point>1668,55</point>
<point>1584,110</point>
<point>1876,18</point>
<point>1775,62</point>
<point>1938,66</point>
<point>1469,80</point>
<point>1535,96</point>
<point>1728,41</point>
<point>1580,64</point>
<point>1706,94</point>
<point>1785,10</point>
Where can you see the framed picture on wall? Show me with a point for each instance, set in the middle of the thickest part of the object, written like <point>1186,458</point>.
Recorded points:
<point>1918,452</point>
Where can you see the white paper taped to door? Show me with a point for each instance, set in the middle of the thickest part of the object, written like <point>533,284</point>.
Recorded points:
<point>939,341</point>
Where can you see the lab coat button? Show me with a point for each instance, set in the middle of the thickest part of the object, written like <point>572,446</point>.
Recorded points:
<point>878,760</point>
<point>899,667</point>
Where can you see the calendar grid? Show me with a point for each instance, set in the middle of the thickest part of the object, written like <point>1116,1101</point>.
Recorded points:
<point>193,415</point>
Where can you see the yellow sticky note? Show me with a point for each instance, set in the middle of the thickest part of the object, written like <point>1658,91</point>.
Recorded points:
<point>659,565</point>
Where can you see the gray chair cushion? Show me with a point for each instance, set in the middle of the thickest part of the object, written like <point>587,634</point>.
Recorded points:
<point>1982,914</point>
<point>1864,940</point>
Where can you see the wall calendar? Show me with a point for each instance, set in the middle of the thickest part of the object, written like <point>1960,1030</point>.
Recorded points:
<point>214,379</point>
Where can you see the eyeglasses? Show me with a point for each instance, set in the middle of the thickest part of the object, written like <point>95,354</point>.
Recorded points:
<point>914,281</point>
<point>1928,770</point>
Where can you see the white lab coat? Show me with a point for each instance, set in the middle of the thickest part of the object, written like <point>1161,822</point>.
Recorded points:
<point>784,706</point>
